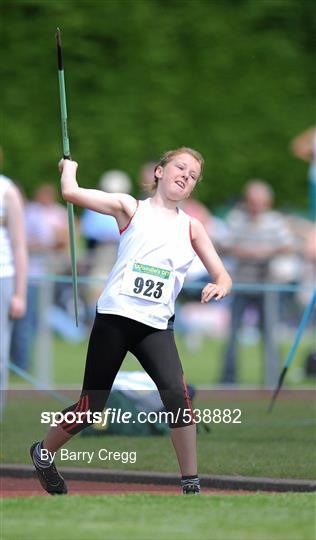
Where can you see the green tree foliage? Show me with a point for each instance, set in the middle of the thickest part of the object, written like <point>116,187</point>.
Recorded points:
<point>232,78</point>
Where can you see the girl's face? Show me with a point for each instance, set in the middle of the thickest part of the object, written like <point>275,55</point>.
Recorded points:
<point>179,177</point>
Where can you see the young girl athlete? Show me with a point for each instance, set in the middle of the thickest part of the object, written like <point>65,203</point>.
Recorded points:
<point>135,312</point>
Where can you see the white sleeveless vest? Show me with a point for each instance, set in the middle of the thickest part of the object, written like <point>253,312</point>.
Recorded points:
<point>6,255</point>
<point>150,269</point>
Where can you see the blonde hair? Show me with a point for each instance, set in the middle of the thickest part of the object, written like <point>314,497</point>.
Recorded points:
<point>168,156</point>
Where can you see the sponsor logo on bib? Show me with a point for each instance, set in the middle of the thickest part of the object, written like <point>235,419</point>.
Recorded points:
<point>152,270</point>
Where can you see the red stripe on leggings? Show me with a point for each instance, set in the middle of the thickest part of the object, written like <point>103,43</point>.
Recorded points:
<point>188,399</point>
<point>79,404</point>
<point>82,406</point>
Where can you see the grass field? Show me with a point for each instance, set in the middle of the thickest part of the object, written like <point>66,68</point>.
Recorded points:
<point>140,517</point>
<point>281,444</point>
<point>277,445</point>
<point>202,366</point>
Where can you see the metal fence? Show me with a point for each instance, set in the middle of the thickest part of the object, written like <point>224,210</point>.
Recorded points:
<point>282,306</point>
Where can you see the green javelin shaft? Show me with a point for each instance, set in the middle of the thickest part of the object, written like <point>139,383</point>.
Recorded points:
<point>66,152</point>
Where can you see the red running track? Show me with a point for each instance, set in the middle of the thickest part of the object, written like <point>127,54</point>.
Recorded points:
<point>28,487</point>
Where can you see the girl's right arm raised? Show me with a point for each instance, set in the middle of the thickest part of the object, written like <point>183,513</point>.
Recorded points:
<point>119,205</point>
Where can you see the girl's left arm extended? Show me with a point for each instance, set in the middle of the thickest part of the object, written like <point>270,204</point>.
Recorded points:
<point>205,250</point>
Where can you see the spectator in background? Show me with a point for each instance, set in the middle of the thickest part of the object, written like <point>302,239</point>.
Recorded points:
<point>47,237</point>
<point>309,279</point>
<point>304,147</point>
<point>102,235</point>
<point>309,265</point>
<point>257,234</point>
<point>146,181</point>
<point>286,269</point>
<point>13,271</point>
<point>98,229</point>
<point>215,227</point>
<point>193,319</point>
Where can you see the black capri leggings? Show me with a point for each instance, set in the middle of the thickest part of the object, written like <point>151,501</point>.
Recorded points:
<point>111,338</point>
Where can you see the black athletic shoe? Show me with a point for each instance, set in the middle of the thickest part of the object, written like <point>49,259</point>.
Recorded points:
<point>49,477</point>
<point>191,489</point>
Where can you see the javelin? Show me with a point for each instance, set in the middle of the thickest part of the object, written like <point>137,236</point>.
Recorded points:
<point>306,315</point>
<point>66,153</point>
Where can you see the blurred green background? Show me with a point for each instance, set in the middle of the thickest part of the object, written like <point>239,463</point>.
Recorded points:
<point>234,79</point>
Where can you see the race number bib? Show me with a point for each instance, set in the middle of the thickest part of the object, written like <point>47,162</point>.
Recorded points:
<point>147,282</point>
